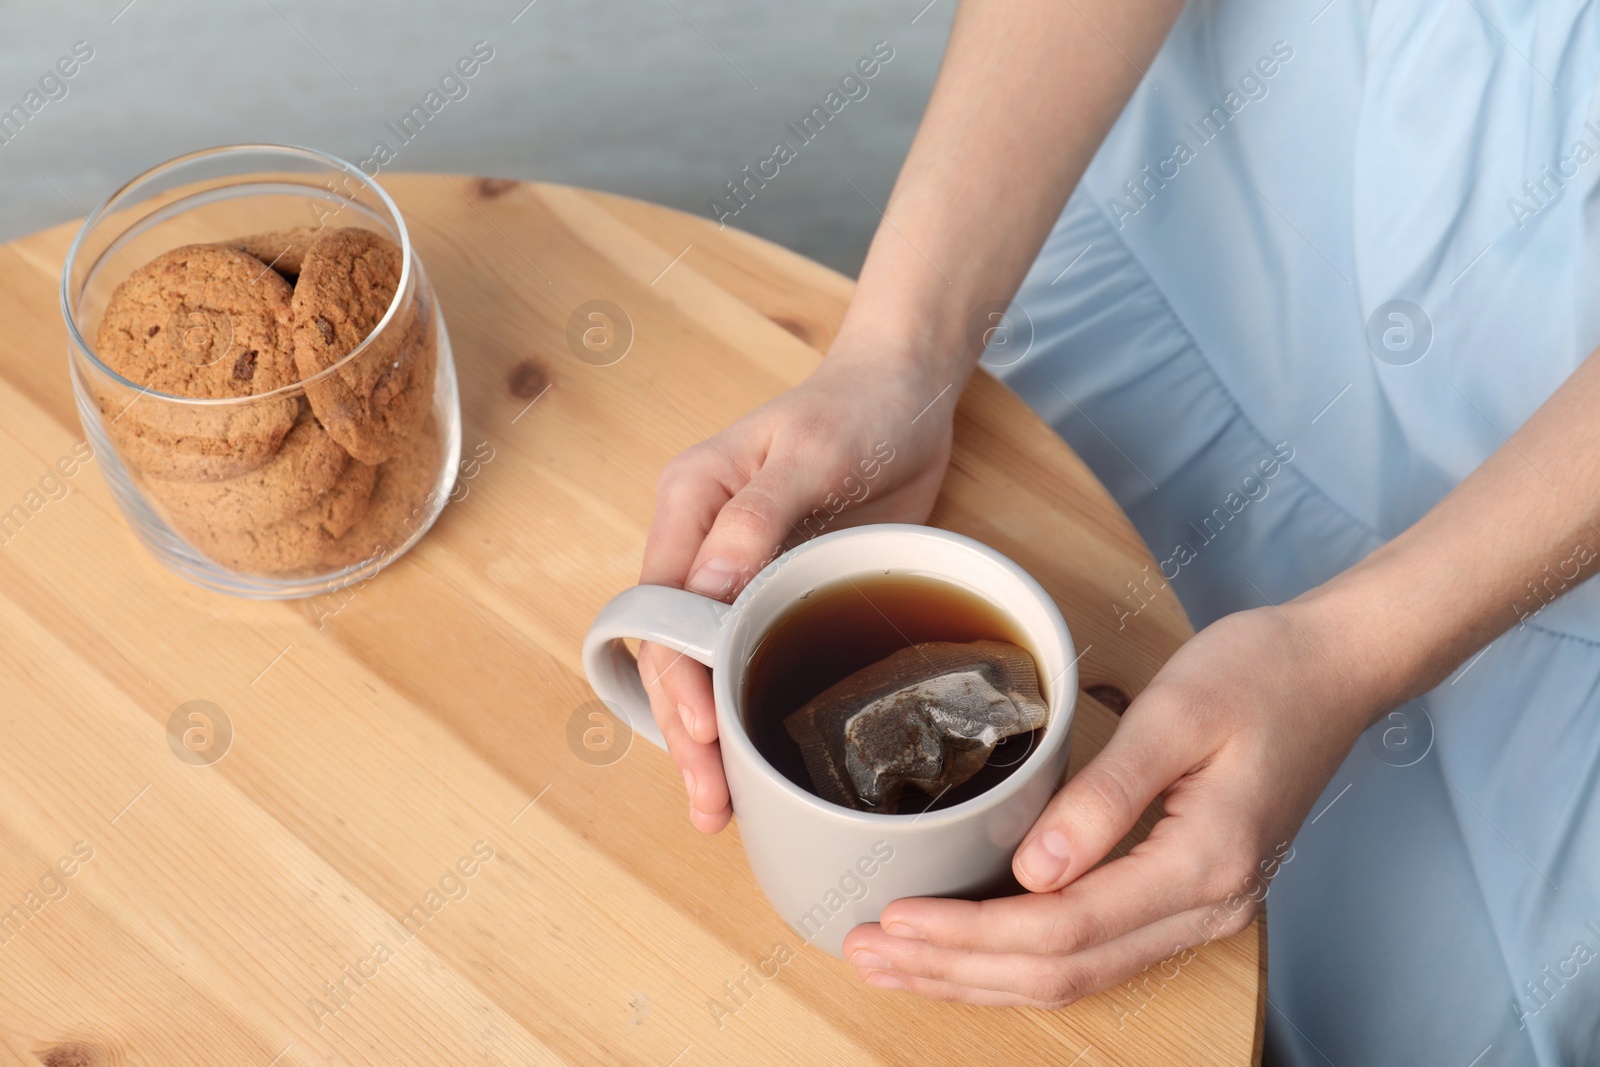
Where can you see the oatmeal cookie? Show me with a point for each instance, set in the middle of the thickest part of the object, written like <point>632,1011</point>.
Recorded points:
<point>402,497</point>
<point>307,465</point>
<point>372,402</point>
<point>298,543</point>
<point>203,322</point>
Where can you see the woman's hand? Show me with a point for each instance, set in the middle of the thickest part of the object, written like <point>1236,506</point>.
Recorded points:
<point>964,230</point>
<point>865,439</point>
<point>1237,734</point>
<point>1241,730</point>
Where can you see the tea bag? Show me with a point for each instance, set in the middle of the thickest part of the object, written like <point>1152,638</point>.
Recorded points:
<point>929,716</point>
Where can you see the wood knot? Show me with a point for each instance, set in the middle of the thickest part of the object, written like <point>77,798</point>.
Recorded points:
<point>492,188</point>
<point>527,380</point>
<point>74,1054</point>
<point>794,326</point>
<point>1110,696</point>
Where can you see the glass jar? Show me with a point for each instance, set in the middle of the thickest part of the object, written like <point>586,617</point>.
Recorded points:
<point>334,467</point>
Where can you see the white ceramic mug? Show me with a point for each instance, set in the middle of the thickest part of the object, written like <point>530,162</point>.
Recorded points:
<point>826,868</point>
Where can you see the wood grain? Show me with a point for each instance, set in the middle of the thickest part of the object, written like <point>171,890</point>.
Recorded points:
<point>304,900</point>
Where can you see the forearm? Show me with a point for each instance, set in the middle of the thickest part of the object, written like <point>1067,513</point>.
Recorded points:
<point>1027,91</point>
<point>1520,530</point>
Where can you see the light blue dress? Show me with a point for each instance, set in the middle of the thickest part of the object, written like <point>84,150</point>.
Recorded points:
<point>1364,236</point>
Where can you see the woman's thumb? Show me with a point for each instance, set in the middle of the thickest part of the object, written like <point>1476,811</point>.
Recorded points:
<point>1096,808</point>
<point>748,533</point>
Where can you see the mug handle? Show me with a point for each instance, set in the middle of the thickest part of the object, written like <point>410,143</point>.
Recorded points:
<point>678,619</point>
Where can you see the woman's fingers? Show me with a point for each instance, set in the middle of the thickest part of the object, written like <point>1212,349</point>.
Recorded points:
<point>680,699</point>
<point>689,493</point>
<point>1223,735</point>
<point>1100,804</point>
<point>1164,878</point>
<point>679,688</point>
<point>751,528</point>
<point>936,990</point>
<point>680,691</point>
<point>1022,978</point>
<point>700,762</point>
<point>722,512</point>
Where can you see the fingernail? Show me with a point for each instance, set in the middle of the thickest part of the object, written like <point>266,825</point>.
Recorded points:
<point>879,980</point>
<point>868,960</point>
<point>686,714</point>
<point>688,783</point>
<point>714,578</point>
<point>898,929</point>
<point>1045,859</point>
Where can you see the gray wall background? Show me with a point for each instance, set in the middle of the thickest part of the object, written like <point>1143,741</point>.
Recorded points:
<point>660,99</point>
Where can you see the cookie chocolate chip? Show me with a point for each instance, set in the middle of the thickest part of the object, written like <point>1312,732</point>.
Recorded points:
<point>181,323</point>
<point>307,465</point>
<point>402,499</point>
<point>202,322</point>
<point>299,543</point>
<point>282,485</point>
<point>372,401</point>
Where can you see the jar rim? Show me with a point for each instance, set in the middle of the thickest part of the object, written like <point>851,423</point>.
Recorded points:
<point>91,225</point>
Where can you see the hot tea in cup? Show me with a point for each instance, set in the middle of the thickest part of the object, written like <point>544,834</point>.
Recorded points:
<point>795,633</point>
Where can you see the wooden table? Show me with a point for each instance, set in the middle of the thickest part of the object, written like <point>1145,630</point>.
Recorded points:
<point>306,898</point>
